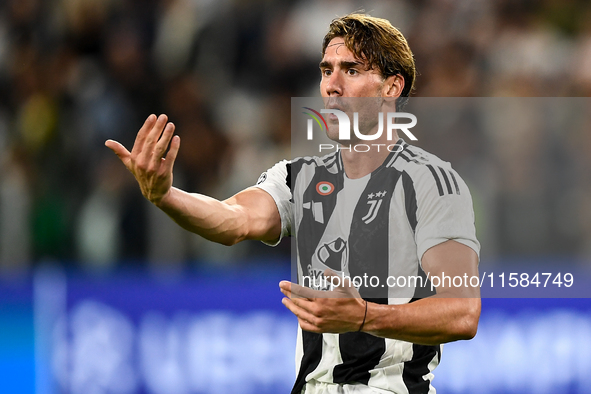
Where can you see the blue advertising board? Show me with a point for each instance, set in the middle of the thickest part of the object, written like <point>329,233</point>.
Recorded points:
<point>227,331</point>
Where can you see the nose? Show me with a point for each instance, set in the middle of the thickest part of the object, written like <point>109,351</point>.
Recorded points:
<point>334,85</point>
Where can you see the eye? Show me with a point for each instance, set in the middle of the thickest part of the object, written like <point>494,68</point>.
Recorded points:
<point>352,71</point>
<point>326,72</point>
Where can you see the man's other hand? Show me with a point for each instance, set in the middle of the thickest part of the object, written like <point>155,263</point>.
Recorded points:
<point>336,311</point>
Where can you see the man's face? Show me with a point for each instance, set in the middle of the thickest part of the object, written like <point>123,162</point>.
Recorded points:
<point>344,76</point>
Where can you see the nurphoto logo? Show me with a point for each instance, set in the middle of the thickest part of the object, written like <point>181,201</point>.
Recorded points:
<point>345,127</point>
<point>345,124</point>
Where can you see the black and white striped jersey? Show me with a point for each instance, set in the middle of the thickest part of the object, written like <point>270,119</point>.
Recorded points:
<point>379,226</point>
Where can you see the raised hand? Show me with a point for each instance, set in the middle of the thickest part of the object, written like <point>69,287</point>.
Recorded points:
<point>146,160</point>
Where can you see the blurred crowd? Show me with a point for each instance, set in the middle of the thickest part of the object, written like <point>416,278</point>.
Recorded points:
<point>74,73</point>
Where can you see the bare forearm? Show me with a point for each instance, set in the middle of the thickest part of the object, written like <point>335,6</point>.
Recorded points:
<point>429,321</point>
<point>250,214</point>
<point>212,219</point>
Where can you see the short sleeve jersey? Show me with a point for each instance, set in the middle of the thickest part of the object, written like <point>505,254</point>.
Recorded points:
<point>379,226</point>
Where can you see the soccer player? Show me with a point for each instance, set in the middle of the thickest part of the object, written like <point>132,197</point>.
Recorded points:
<point>388,212</point>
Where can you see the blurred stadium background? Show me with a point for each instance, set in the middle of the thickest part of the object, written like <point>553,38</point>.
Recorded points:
<point>101,293</point>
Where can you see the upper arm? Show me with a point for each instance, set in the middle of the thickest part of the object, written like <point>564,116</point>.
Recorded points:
<point>267,207</point>
<point>445,231</point>
<point>260,214</point>
<point>453,262</point>
<point>452,259</point>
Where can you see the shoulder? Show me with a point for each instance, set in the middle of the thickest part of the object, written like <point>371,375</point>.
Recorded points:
<point>427,171</point>
<point>414,160</point>
<point>286,171</point>
<point>325,160</point>
<point>331,162</point>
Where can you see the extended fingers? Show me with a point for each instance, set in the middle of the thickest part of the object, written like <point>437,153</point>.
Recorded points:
<point>163,142</point>
<point>147,152</point>
<point>297,291</point>
<point>302,302</point>
<point>120,151</point>
<point>175,145</point>
<point>307,326</point>
<point>140,139</point>
<point>308,321</point>
<point>285,288</point>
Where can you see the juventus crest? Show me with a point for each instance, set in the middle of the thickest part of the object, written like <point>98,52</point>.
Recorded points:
<point>374,200</point>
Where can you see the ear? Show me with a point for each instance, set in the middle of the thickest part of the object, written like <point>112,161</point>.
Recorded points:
<point>393,86</point>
